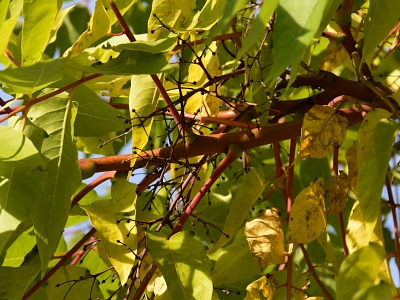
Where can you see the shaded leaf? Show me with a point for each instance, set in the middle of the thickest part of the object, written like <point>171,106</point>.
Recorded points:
<point>110,217</point>
<point>265,237</point>
<point>153,47</point>
<point>307,219</point>
<point>234,262</point>
<point>14,281</point>
<point>325,241</point>
<point>352,163</point>
<point>245,198</point>
<point>184,264</point>
<point>338,190</point>
<point>322,129</point>
<point>334,56</point>
<point>134,62</point>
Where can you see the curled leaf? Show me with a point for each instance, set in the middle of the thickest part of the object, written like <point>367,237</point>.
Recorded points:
<point>322,129</point>
<point>265,237</point>
<point>338,190</point>
<point>254,288</point>
<point>307,219</point>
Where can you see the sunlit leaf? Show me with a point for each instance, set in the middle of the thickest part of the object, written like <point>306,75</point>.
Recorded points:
<point>295,26</point>
<point>9,12</point>
<point>110,218</point>
<point>381,17</point>
<point>184,264</point>
<point>39,18</point>
<point>265,237</point>
<point>143,99</point>
<point>361,269</point>
<point>372,173</point>
<point>260,285</point>
<point>32,78</point>
<point>307,219</point>
<point>323,128</point>
<point>56,116</point>
<point>154,47</point>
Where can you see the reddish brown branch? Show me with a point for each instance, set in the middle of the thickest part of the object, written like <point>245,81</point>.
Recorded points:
<point>314,274</point>
<point>49,95</point>
<point>215,143</point>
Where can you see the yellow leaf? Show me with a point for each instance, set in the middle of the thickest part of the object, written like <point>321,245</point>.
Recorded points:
<point>366,134</point>
<point>254,288</point>
<point>265,237</point>
<point>351,158</point>
<point>160,289</point>
<point>356,236</point>
<point>106,216</point>
<point>98,27</point>
<point>307,219</point>
<point>334,56</point>
<point>322,129</point>
<point>338,190</point>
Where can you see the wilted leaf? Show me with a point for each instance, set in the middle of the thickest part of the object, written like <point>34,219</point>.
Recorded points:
<point>265,237</point>
<point>254,288</point>
<point>334,56</point>
<point>307,219</point>
<point>322,129</point>
<point>338,190</point>
<point>351,158</point>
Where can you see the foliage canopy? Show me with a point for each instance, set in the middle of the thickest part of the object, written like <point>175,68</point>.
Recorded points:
<point>260,133</point>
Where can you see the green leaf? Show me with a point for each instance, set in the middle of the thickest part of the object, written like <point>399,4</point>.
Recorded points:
<point>382,16</point>
<point>257,29</point>
<point>251,187</point>
<point>19,151</point>
<point>360,269</point>
<point>95,116</point>
<point>59,288</point>
<point>58,22</point>
<point>382,291</point>
<point>295,26</point>
<point>19,192</point>
<point>134,62</point>
<point>39,17</point>
<point>14,281</point>
<point>56,116</point>
<point>9,14</point>
<point>183,261</point>
<point>234,262</point>
<point>18,250</point>
<point>372,174</point>
<point>153,47</point>
<point>143,99</point>
<point>32,78</point>
<point>109,218</point>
